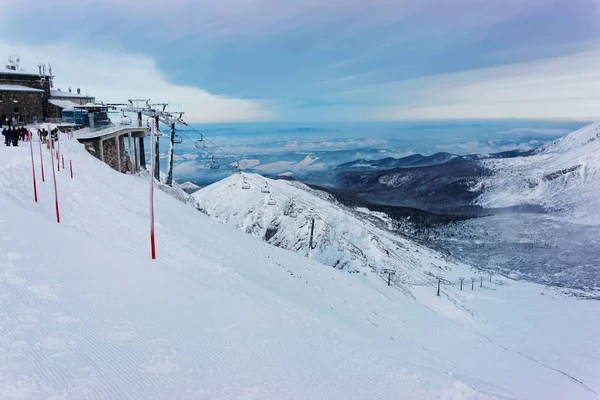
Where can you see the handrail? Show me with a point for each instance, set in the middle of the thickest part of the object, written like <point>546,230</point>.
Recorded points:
<point>97,131</point>
<point>53,120</point>
<point>102,127</point>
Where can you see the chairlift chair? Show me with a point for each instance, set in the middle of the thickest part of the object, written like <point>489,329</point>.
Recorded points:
<point>125,119</point>
<point>160,133</point>
<point>213,163</point>
<point>245,184</point>
<point>177,139</point>
<point>200,143</point>
<point>265,189</point>
<point>271,200</point>
<point>293,212</point>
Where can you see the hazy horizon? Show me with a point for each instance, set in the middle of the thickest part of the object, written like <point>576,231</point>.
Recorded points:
<point>282,148</point>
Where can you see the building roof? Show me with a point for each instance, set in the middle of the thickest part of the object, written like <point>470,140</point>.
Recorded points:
<point>108,132</point>
<point>13,72</point>
<point>64,104</point>
<point>18,88</point>
<point>60,93</point>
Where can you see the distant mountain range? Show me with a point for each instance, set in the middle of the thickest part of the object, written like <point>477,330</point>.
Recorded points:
<point>419,160</point>
<point>560,175</point>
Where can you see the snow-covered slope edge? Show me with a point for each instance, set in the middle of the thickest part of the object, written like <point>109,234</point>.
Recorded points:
<point>84,312</point>
<point>343,238</point>
<point>563,175</point>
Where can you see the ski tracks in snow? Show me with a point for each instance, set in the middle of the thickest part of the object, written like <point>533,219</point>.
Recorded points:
<point>51,345</point>
<point>84,338</point>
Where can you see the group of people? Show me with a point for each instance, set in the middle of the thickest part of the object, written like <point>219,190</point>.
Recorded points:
<point>13,134</point>
<point>43,134</point>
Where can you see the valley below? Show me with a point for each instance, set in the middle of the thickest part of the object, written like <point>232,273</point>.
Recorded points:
<point>541,248</point>
<point>522,242</point>
<point>526,215</point>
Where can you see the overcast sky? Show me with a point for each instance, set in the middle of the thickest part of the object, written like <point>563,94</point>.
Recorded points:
<point>320,60</point>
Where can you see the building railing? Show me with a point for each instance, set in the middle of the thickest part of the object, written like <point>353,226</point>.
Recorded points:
<point>53,120</point>
<point>102,128</point>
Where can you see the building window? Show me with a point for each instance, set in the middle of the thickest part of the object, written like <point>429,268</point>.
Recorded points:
<point>16,110</point>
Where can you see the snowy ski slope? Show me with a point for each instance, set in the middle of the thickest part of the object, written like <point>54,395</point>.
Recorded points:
<point>85,313</point>
<point>563,175</point>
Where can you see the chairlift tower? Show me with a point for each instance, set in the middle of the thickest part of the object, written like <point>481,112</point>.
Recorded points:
<point>158,112</point>
<point>390,272</point>
<point>170,163</point>
<point>311,244</point>
<point>156,150</point>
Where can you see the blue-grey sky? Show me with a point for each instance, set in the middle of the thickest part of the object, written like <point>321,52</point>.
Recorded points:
<point>321,60</point>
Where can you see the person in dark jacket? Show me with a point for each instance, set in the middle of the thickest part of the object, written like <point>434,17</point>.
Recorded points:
<point>5,134</point>
<point>15,136</point>
<point>9,136</point>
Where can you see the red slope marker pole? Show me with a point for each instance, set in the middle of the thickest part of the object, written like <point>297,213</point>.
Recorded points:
<point>152,242</point>
<point>41,160</point>
<point>33,171</point>
<point>71,167</point>
<point>58,149</point>
<point>55,189</point>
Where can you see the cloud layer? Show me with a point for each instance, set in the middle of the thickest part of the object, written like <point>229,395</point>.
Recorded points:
<point>565,87</point>
<point>322,60</point>
<point>114,77</point>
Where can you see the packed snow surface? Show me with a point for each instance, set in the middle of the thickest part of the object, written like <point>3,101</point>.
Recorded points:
<point>86,314</point>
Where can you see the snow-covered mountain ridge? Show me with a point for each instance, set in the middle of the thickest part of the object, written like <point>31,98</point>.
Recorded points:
<point>351,239</point>
<point>86,314</point>
<point>563,175</point>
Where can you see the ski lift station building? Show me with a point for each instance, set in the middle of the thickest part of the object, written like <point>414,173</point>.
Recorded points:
<point>29,96</point>
<point>23,94</point>
<point>119,145</point>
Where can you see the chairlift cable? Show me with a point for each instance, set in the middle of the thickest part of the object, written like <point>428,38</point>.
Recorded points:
<point>332,229</point>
